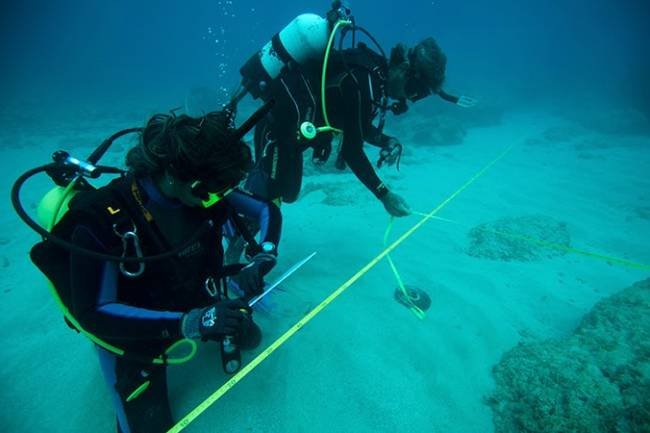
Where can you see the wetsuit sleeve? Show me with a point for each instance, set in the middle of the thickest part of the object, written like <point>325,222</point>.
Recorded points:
<point>351,115</point>
<point>447,97</point>
<point>266,213</point>
<point>375,137</point>
<point>95,303</point>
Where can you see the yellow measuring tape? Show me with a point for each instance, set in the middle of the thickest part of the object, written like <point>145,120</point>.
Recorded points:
<point>606,258</point>
<point>408,297</point>
<point>187,419</point>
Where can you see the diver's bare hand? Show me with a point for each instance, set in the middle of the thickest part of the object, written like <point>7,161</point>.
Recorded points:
<point>395,205</point>
<point>466,102</point>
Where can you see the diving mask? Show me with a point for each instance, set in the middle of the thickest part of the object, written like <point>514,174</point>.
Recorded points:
<point>207,195</point>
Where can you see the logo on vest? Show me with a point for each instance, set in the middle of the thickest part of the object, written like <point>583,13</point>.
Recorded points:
<point>192,250</point>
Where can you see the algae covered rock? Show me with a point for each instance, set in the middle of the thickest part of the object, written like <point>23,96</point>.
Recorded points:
<point>617,332</point>
<point>555,388</point>
<point>524,239</point>
<point>596,380</point>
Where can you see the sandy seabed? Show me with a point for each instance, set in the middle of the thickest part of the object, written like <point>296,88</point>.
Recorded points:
<point>365,363</point>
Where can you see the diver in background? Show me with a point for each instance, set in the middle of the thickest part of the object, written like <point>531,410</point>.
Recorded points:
<point>360,86</point>
<point>183,173</point>
<point>360,82</point>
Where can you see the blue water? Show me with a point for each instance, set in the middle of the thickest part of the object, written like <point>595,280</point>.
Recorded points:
<point>99,52</point>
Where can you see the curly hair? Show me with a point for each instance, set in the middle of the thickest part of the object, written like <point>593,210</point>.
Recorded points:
<point>191,149</point>
<point>429,62</point>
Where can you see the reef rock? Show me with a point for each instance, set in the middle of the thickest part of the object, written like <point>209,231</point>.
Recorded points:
<point>594,381</point>
<point>524,239</point>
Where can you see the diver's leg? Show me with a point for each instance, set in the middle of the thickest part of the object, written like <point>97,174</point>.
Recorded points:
<point>262,180</point>
<point>290,167</point>
<point>235,245</point>
<point>258,183</point>
<point>148,412</point>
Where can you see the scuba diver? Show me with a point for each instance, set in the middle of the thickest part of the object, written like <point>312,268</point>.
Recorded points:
<point>348,90</point>
<point>137,264</point>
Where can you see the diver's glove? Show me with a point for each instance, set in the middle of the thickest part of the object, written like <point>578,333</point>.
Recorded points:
<point>395,204</point>
<point>250,279</point>
<point>390,153</point>
<point>216,321</point>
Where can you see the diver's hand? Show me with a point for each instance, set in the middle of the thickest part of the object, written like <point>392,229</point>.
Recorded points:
<point>466,102</point>
<point>216,321</point>
<point>390,152</point>
<point>251,278</point>
<point>395,205</point>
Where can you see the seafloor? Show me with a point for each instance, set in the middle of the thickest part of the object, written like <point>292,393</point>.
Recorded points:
<point>525,251</point>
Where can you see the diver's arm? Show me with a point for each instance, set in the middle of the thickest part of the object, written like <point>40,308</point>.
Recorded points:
<point>358,162</point>
<point>94,302</point>
<point>461,101</point>
<point>447,97</point>
<point>349,98</point>
<point>375,137</point>
<point>261,256</point>
<point>267,214</point>
<point>352,151</point>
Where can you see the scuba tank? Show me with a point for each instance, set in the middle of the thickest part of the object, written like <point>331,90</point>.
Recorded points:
<point>304,38</point>
<point>307,38</point>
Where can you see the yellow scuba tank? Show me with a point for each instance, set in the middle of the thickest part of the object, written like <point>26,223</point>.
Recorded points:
<point>304,38</point>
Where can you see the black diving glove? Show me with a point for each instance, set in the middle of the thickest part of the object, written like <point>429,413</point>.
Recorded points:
<point>395,204</point>
<point>216,321</point>
<point>391,153</point>
<point>250,279</point>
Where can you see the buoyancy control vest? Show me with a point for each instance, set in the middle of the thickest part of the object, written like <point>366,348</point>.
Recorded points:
<point>111,211</point>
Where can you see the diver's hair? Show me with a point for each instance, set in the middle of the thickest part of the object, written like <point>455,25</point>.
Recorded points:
<point>429,62</point>
<point>397,55</point>
<point>191,149</point>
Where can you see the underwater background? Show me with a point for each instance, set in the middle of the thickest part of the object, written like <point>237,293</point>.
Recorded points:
<point>538,270</point>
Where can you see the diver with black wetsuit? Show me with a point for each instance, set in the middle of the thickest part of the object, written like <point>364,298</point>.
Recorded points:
<point>182,176</point>
<point>144,315</point>
<point>360,82</point>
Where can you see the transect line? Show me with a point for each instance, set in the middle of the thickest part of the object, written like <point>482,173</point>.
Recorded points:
<point>568,249</point>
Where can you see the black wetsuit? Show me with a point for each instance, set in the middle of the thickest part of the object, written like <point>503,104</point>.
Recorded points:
<point>355,94</point>
<point>143,315</point>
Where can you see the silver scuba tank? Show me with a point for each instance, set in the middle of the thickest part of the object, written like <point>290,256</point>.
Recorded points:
<point>304,38</point>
